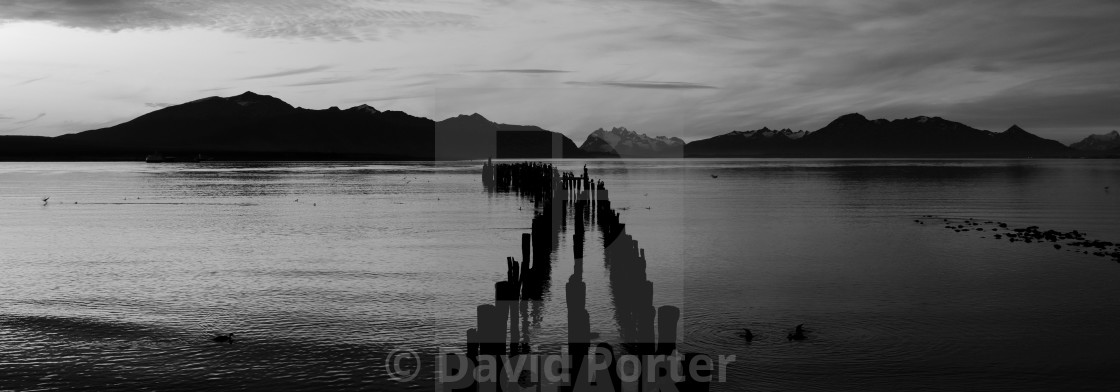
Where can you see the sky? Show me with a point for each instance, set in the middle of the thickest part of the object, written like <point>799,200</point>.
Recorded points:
<point>684,68</point>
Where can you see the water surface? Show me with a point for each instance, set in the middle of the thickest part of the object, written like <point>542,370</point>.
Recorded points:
<point>322,268</point>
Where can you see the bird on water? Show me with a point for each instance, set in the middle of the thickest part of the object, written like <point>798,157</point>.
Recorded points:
<point>797,334</point>
<point>227,338</point>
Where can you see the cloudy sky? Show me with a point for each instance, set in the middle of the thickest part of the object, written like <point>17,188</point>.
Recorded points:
<point>686,68</point>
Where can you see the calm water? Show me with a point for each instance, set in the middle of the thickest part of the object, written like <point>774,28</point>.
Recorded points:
<point>122,278</point>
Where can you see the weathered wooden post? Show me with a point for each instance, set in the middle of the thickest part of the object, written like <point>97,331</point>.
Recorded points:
<point>472,343</point>
<point>579,321</point>
<point>667,317</point>
<point>490,330</point>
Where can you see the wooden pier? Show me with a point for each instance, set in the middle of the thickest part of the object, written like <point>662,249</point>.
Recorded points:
<point>645,329</point>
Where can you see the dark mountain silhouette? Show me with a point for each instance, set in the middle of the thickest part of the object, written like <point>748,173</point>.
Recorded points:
<point>254,126</point>
<point>922,135</point>
<point>261,126</point>
<point>853,135</point>
<point>1105,142</point>
<point>629,144</point>
<point>759,142</point>
<point>475,137</point>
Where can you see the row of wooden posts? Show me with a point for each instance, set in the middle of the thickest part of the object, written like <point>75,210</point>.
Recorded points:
<point>498,332</point>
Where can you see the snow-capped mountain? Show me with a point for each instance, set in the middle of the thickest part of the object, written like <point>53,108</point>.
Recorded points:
<point>1105,142</point>
<point>627,143</point>
<point>767,133</point>
<point>758,142</point>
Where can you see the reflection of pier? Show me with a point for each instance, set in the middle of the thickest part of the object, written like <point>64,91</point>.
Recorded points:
<point>498,332</point>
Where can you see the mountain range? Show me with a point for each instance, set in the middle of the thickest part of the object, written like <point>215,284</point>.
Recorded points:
<point>759,142</point>
<point>629,144</point>
<point>851,135</point>
<point>254,126</point>
<point>1106,142</point>
<point>854,135</point>
<point>260,127</point>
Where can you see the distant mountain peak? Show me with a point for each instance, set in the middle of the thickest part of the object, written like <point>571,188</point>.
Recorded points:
<point>618,131</point>
<point>1106,137</point>
<point>767,133</point>
<point>250,98</point>
<point>473,117</point>
<point>363,108</point>
<point>1103,142</point>
<point>932,120</point>
<point>625,142</point>
<point>849,119</point>
<point>1015,129</point>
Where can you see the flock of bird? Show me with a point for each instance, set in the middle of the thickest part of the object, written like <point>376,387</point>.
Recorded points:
<point>1070,241</point>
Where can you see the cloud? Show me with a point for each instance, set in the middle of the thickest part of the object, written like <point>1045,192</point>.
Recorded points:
<point>653,85</point>
<point>3,117</point>
<point>29,81</point>
<point>1043,107</point>
<point>324,81</point>
<point>524,71</point>
<point>385,98</point>
<point>158,105</point>
<point>290,72</point>
<point>800,63</point>
<point>94,14</point>
<point>325,19</point>
<point>41,115</point>
<point>738,63</point>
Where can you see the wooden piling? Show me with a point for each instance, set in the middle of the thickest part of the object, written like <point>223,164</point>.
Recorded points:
<point>553,194</point>
<point>667,317</point>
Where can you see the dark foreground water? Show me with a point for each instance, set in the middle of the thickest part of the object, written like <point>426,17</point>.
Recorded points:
<point>122,278</point>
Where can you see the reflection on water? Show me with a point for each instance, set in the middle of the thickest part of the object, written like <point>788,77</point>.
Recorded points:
<point>896,305</point>
<point>320,269</point>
